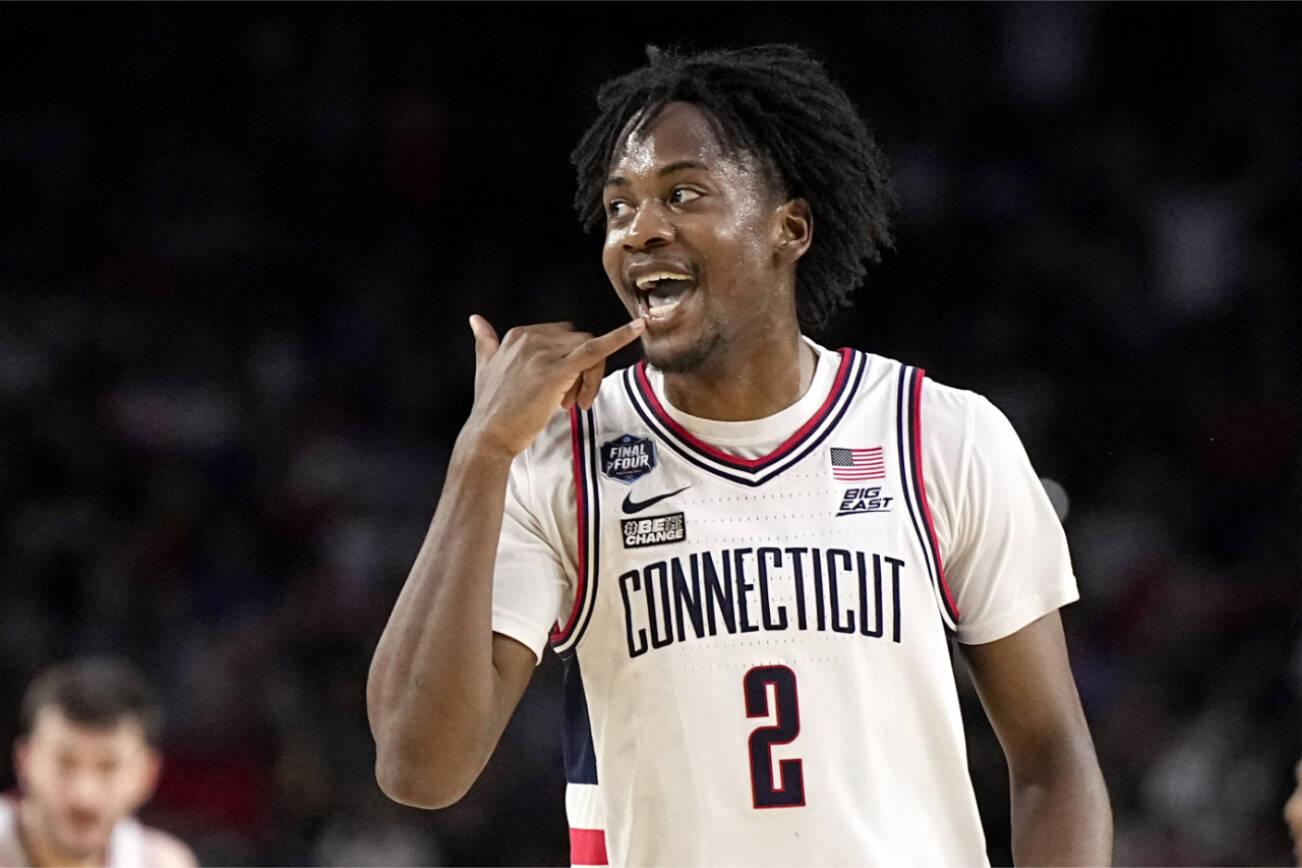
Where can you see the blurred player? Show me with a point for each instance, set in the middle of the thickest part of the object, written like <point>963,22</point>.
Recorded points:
<point>750,551</point>
<point>87,759</point>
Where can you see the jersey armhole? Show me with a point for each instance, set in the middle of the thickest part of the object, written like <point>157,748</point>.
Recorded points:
<point>911,388</point>
<point>583,457</point>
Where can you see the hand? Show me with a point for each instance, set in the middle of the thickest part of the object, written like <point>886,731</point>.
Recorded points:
<point>522,378</point>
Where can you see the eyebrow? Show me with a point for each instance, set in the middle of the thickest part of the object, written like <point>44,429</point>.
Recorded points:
<point>680,165</point>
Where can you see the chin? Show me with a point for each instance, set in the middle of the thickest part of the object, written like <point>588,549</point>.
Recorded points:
<point>85,842</point>
<point>682,360</point>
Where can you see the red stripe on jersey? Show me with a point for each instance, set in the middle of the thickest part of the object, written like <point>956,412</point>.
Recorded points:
<point>791,442</point>
<point>587,847</point>
<point>922,487</point>
<point>581,503</point>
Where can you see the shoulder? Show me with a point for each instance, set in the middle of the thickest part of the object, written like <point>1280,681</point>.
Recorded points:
<point>165,850</point>
<point>955,421</point>
<point>971,451</point>
<point>11,851</point>
<point>554,441</point>
<point>548,463</point>
<point>950,417</point>
<point>550,456</point>
<point>967,444</point>
<point>948,411</point>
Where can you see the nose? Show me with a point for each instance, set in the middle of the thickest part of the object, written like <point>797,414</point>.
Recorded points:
<point>651,227</point>
<point>85,790</point>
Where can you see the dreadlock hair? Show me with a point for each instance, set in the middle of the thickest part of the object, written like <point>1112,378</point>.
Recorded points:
<point>777,103</point>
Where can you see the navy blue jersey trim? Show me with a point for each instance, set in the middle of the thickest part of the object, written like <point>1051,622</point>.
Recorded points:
<point>904,448</point>
<point>792,455</point>
<point>743,465</point>
<point>577,749</point>
<point>924,511</point>
<point>594,530</point>
<point>588,514</point>
<point>673,444</point>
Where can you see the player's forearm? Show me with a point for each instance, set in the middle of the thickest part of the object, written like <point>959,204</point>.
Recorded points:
<point>1060,811</point>
<point>432,695</point>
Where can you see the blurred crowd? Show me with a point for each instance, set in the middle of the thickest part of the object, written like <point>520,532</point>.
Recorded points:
<point>238,249</point>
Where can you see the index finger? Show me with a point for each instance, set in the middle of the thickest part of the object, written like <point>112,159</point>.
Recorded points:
<point>595,349</point>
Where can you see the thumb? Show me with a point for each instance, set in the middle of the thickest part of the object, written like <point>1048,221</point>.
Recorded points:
<point>486,341</point>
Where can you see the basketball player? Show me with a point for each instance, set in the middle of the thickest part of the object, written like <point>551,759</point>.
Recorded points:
<point>85,762</point>
<point>750,551</point>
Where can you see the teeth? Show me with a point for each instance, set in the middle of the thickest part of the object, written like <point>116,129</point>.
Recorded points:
<point>657,300</point>
<point>657,307</point>
<point>662,309</point>
<point>646,281</point>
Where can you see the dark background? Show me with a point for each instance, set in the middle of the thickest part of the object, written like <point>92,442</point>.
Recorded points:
<point>238,249</point>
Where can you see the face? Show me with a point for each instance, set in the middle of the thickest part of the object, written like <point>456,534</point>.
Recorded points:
<point>77,781</point>
<point>698,242</point>
<point>1293,815</point>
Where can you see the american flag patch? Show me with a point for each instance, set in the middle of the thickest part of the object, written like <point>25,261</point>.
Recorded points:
<point>854,465</point>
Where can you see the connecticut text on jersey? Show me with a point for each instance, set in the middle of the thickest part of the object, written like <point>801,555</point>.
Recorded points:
<point>743,590</point>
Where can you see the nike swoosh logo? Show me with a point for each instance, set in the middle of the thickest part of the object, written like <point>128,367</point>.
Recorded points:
<point>631,506</point>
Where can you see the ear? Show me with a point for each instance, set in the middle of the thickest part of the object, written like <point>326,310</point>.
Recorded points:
<point>793,229</point>
<point>21,750</point>
<point>149,777</point>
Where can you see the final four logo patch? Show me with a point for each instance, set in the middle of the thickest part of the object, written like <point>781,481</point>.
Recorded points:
<point>627,458</point>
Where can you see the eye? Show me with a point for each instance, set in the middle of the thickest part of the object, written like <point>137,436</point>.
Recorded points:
<point>683,195</point>
<point>616,208</point>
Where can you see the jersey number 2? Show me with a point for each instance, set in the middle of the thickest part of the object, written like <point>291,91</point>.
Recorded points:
<point>789,791</point>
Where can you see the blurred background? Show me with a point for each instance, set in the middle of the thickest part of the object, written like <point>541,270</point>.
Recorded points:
<point>239,244</point>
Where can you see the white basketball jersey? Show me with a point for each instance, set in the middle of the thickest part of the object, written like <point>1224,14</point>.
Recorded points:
<point>126,848</point>
<point>757,665</point>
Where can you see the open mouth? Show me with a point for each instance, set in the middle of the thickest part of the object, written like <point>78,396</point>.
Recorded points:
<point>83,823</point>
<point>660,293</point>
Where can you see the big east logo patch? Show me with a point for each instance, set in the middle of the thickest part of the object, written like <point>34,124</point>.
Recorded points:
<point>857,500</point>
<point>627,458</point>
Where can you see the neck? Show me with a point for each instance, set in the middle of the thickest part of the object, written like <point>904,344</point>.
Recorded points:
<point>42,851</point>
<point>746,382</point>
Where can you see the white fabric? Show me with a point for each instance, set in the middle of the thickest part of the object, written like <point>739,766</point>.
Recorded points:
<point>583,806</point>
<point>126,848</point>
<point>751,439</point>
<point>880,741</point>
<point>11,846</point>
<point>1003,548</point>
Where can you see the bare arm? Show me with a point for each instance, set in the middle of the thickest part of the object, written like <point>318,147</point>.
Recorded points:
<point>442,685</point>
<point>1061,813</point>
